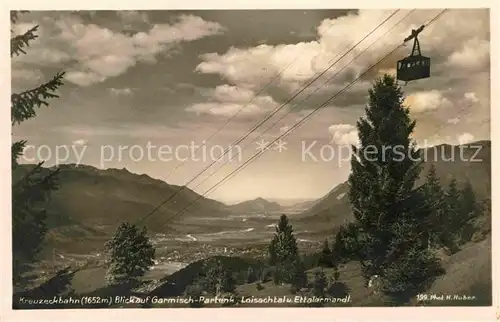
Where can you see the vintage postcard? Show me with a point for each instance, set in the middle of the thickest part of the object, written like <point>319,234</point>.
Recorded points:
<point>250,158</point>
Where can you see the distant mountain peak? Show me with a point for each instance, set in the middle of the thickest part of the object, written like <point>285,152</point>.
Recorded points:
<point>258,204</point>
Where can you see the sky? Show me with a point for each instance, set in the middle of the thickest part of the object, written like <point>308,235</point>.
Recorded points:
<point>165,93</point>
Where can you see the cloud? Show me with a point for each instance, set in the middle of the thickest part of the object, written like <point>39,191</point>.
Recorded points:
<point>222,109</point>
<point>465,138</point>
<point>229,100</point>
<point>132,16</point>
<point>227,93</point>
<point>426,100</point>
<point>460,38</point>
<point>474,54</point>
<point>121,91</point>
<point>83,78</point>
<point>453,120</point>
<point>139,130</point>
<point>80,142</point>
<point>95,53</point>
<point>344,134</point>
<point>471,96</point>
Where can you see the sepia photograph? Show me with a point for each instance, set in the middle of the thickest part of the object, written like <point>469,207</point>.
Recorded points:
<point>305,158</point>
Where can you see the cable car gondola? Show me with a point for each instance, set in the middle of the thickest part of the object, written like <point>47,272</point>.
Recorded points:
<point>414,66</point>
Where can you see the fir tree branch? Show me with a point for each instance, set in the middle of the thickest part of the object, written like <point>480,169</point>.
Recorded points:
<point>33,188</point>
<point>36,169</point>
<point>19,42</point>
<point>23,104</point>
<point>16,151</point>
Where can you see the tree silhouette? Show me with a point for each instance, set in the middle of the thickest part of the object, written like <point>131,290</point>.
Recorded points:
<point>325,259</point>
<point>30,187</point>
<point>131,254</point>
<point>438,228</point>
<point>390,213</point>
<point>283,251</point>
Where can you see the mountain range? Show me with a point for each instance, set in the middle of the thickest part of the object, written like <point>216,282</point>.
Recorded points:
<point>91,202</point>
<point>470,162</point>
<point>258,205</point>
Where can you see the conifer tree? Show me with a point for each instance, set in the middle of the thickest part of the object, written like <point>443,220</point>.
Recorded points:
<point>339,253</point>
<point>131,254</point>
<point>283,251</point>
<point>296,274</point>
<point>217,279</point>
<point>320,285</point>
<point>195,292</point>
<point>30,188</point>
<point>325,259</point>
<point>346,243</point>
<point>453,214</point>
<point>390,213</point>
<point>284,241</point>
<point>251,275</point>
<point>437,221</point>
<point>272,252</point>
<point>470,210</point>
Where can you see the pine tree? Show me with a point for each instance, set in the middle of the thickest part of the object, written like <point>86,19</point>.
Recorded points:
<point>453,196</point>
<point>296,275</point>
<point>346,243</point>
<point>325,259</point>
<point>434,194</point>
<point>251,275</point>
<point>390,213</point>
<point>283,251</point>
<point>453,214</point>
<point>131,254</point>
<point>217,279</point>
<point>470,210</point>
<point>195,292</point>
<point>265,275</point>
<point>272,252</point>
<point>228,283</point>
<point>30,189</point>
<point>285,244</point>
<point>320,284</point>
<point>339,253</point>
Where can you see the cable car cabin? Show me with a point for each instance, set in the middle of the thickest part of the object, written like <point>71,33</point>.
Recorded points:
<point>413,68</point>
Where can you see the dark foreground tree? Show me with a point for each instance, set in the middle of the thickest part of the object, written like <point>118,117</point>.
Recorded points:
<point>453,212</point>
<point>194,293</point>
<point>30,188</point>
<point>297,275</point>
<point>325,258</point>
<point>345,247</point>
<point>391,215</point>
<point>319,288</point>
<point>283,251</point>
<point>470,210</point>
<point>131,254</point>
<point>217,278</point>
<point>251,275</point>
<point>438,220</point>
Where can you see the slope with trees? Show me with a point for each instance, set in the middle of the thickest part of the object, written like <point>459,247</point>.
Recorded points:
<point>391,214</point>
<point>31,189</point>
